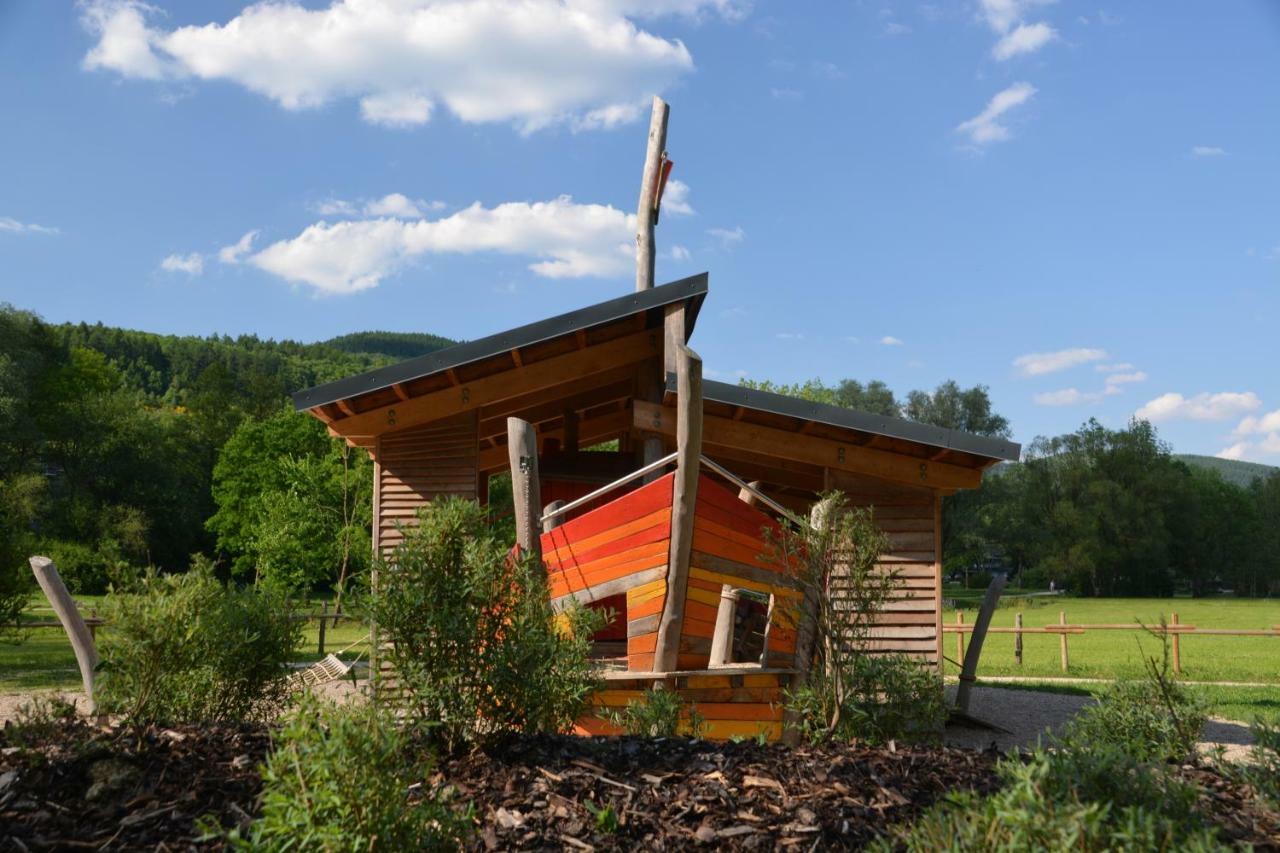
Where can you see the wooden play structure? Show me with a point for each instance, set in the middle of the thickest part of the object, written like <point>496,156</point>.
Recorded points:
<point>664,528</point>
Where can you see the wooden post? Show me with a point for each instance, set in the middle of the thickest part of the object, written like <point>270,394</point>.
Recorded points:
<point>570,441</point>
<point>969,668</point>
<point>959,638</point>
<point>1017,637</point>
<point>722,639</point>
<point>684,497</point>
<point>324,612</point>
<point>1062,639</point>
<point>747,496</point>
<point>556,520</point>
<point>522,451</point>
<point>93,626</point>
<point>807,628</point>
<point>645,249</point>
<point>72,622</point>
<point>1177,645</point>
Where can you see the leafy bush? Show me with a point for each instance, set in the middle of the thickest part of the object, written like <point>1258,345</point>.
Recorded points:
<point>1262,771</point>
<point>38,719</point>
<point>349,778</point>
<point>658,715</point>
<point>476,646</point>
<point>187,648</point>
<point>1154,719</point>
<point>851,692</point>
<point>1065,801</point>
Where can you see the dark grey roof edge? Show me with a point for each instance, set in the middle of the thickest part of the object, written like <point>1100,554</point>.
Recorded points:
<point>736,395</point>
<point>694,287</point>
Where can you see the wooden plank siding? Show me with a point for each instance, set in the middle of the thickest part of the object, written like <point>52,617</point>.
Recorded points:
<point>909,516</point>
<point>418,464</point>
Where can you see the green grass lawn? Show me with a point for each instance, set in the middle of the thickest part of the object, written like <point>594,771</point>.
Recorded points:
<point>1118,654</point>
<point>43,657</point>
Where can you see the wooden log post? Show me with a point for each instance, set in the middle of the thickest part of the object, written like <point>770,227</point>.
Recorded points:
<point>959,638</point>
<point>72,622</point>
<point>722,639</point>
<point>1062,639</point>
<point>554,521</point>
<point>522,451</point>
<point>1017,638</point>
<point>1177,645</point>
<point>324,613</point>
<point>646,212</point>
<point>684,497</point>
<point>969,668</point>
<point>807,622</point>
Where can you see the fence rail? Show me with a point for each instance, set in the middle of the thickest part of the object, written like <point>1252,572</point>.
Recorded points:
<point>1174,629</point>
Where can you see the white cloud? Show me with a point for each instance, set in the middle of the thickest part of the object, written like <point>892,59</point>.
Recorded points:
<point>1270,422</point>
<point>1271,444</point>
<point>233,253</point>
<point>1201,407</point>
<point>890,341</point>
<point>728,236</point>
<point>570,240</point>
<point>1235,451</point>
<point>985,127</point>
<point>1207,151</point>
<point>192,264</point>
<point>13,226</point>
<point>400,205</point>
<point>675,198</point>
<point>1115,367</point>
<point>1115,380</point>
<point>893,28</point>
<point>1065,397</point>
<point>530,62</point>
<point>1026,38</point>
<point>1040,363</point>
<point>679,253</point>
<point>1267,448</point>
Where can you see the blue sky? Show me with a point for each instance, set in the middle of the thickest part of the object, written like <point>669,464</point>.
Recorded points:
<point>1074,204</point>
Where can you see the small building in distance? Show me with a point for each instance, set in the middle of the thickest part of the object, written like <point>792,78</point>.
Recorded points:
<point>669,535</point>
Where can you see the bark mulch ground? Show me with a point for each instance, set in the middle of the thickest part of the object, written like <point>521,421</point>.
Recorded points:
<point>78,787</point>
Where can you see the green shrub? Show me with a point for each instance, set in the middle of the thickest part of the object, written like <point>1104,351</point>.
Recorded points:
<point>187,648</point>
<point>1039,809</point>
<point>477,649</point>
<point>1262,771</point>
<point>350,778</point>
<point>38,720</point>
<point>881,698</point>
<point>657,715</point>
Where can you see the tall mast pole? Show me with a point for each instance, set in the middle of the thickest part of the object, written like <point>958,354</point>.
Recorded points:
<point>645,249</point>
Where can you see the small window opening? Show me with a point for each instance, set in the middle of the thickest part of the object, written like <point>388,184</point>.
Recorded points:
<point>609,644</point>
<point>741,636</point>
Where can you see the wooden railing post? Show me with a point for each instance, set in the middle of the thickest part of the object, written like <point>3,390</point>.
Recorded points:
<point>554,521</point>
<point>522,452</point>
<point>1177,645</point>
<point>959,639</point>
<point>324,611</point>
<point>1017,637</point>
<point>1062,639</point>
<point>72,622</point>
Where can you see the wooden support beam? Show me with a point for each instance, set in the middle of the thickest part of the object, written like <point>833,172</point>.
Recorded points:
<point>400,392</point>
<point>807,625</point>
<point>645,213</point>
<point>684,498</point>
<point>722,637</point>
<point>675,335</point>
<point>516,359</point>
<point>554,371</point>
<point>72,622</point>
<point>344,406</point>
<point>570,427</point>
<point>522,450</point>
<point>783,444</point>
<point>545,411</point>
<point>590,431</point>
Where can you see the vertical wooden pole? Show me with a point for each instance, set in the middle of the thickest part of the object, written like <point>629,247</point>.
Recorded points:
<point>1062,640</point>
<point>1017,637</point>
<point>556,520</point>
<point>937,572</point>
<point>522,452</point>
<point>375,656</point>
<point>684,497</point>
<point>722,639</point>
<point>324,613</point>
<point>72,622</point>
<point>1177,646</point>
<point>807,626</point>
<point>645,249</point>
<point>959,638</point>
<point>570,442</point>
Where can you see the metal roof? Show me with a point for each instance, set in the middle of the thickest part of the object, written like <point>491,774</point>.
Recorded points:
<point>838,416</point>
<point>693,288</point>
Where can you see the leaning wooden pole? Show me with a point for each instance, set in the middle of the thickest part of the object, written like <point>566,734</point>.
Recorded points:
<point>645,210</point>
<point>969,668</point>
<point>65,607</point>
<point>522,451</point>
<point>684,498</point>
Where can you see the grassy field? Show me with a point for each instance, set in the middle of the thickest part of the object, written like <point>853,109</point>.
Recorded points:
<point>1119,654</point>
<point>43,657</point>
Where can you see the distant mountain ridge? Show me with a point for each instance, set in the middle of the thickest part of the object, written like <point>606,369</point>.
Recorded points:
<point>397,345</point>
<point>1232,470</point>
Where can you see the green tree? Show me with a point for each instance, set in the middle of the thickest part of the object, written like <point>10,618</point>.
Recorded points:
<point>950,406</point>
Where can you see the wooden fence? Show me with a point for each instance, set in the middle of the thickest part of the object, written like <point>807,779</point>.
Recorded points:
<point>1174,628</point>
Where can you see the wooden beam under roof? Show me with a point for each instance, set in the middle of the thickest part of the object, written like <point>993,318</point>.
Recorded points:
<point>783,444</point>
<point>473,395</point>
<point>540,412</point>
<point>591,431</point>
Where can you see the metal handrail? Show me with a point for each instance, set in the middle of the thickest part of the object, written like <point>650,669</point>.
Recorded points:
<point>603,490</point>
<point>742,484</point>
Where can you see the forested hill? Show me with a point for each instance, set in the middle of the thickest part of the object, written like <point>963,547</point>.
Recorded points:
<point>1232,470</point>
<point>396,345</point>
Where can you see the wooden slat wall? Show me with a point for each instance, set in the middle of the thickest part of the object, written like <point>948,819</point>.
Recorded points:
<point>729,548</point>
<point>730,705</point>
<point>909,517</point>
<point>418,464</point>
<point>620,547</point>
